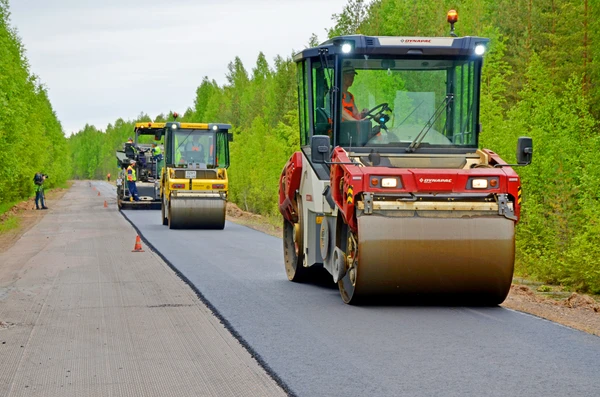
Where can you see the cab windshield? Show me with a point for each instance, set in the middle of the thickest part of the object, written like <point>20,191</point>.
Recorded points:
<point>206,149</point>
<point>393,102</point>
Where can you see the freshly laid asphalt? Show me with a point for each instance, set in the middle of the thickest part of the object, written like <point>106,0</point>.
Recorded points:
<point>315,345</point>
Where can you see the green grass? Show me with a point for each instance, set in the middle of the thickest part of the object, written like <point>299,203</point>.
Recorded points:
<point>10,223</point>
<point>4,207</point>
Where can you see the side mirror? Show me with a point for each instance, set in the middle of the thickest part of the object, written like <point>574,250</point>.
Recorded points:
<point>319,149</point>
<point>158,135</point>
<point>230,136</point>
<point>524,150</point>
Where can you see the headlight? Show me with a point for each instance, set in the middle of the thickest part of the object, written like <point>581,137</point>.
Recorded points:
<point>389,182</point>
<point>346,48</point>
<point>479,49</point>
<point>480,183</point>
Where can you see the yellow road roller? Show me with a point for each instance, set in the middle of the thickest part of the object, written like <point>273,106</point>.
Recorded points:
<point>390,192</point>
<point>193,182</point>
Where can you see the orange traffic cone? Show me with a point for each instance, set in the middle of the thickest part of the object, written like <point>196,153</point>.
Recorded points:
<point>138,245</point>
<point>105,204</point>
<point>98,193</point>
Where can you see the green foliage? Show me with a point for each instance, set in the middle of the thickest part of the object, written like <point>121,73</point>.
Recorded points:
<point>31,136</point>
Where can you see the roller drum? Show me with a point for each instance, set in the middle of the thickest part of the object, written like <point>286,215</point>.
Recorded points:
<point>197,213</point>
<point>470,260</point>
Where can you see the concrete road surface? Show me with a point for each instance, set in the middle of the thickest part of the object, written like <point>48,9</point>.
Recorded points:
<point>318,346</point>
<point>81,315</point>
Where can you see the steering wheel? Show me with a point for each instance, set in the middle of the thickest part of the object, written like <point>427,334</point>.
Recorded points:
<point>382,107</point>
<point>376,114</point>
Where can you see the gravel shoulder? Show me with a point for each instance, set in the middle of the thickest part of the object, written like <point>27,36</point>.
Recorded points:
<point>81,314</point>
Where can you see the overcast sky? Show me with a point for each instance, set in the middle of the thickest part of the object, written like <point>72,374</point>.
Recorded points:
<point>105,59</point>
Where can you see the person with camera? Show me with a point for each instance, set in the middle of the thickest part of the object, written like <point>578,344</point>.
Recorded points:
<point>38,180</point>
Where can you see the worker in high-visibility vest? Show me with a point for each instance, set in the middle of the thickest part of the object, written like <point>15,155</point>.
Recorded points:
<point>131,178</point>
<point>158,159</point>
<point>349,109</point>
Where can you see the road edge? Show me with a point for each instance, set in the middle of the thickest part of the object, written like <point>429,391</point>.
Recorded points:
<point>253,353</point>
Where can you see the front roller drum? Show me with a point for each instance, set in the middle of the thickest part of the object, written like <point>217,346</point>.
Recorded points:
<point>429,260</point>
<point>197,213</point>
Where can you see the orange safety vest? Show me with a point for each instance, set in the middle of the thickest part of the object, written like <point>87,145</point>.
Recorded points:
<point>349,106</point>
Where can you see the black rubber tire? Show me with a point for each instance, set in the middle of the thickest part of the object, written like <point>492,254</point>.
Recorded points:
<point>170,222</point>
<point>345,285</point>
<point>163,212</point>
<point>294,256</point>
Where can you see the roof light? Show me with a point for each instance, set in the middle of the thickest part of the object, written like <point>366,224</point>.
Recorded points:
<point>452,16</point>
<point>479,49</point>
<point>174,126</point>
<point>215,127</point>
<point>346,48</point>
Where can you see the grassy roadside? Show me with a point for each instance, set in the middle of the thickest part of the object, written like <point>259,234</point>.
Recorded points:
<point>271,225</point>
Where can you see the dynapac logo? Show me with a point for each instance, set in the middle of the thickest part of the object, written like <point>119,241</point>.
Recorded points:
<point>416,40</point>
<point>427,180</point>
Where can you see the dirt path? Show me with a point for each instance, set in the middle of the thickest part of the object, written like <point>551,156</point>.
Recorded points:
<point>573,310</point>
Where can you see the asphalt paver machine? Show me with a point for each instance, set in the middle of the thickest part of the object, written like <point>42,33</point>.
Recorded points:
<point>146,170</point>
<point>398,201</point>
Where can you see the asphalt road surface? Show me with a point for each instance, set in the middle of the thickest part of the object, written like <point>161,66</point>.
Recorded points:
<point>316,345</point>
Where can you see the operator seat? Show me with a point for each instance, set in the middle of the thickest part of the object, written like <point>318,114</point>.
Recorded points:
<point>129,151</point>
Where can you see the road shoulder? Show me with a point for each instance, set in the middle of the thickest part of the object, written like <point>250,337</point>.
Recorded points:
<point>81,314</point>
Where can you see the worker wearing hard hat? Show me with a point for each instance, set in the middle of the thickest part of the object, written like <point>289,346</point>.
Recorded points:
<point>349,110</point>
<point>131,179</point>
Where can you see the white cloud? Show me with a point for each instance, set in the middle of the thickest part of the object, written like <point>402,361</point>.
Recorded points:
<point>102,60</point>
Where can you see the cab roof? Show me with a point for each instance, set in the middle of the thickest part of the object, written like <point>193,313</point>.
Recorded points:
<point>396,45</point>
<point>148,128</point>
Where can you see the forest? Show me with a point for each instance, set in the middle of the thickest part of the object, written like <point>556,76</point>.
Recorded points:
<point>540,77</point>
<point>31,137</point>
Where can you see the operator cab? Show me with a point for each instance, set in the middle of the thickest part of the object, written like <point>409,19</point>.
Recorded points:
<point>202,146</point>
<point>392,96</point>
